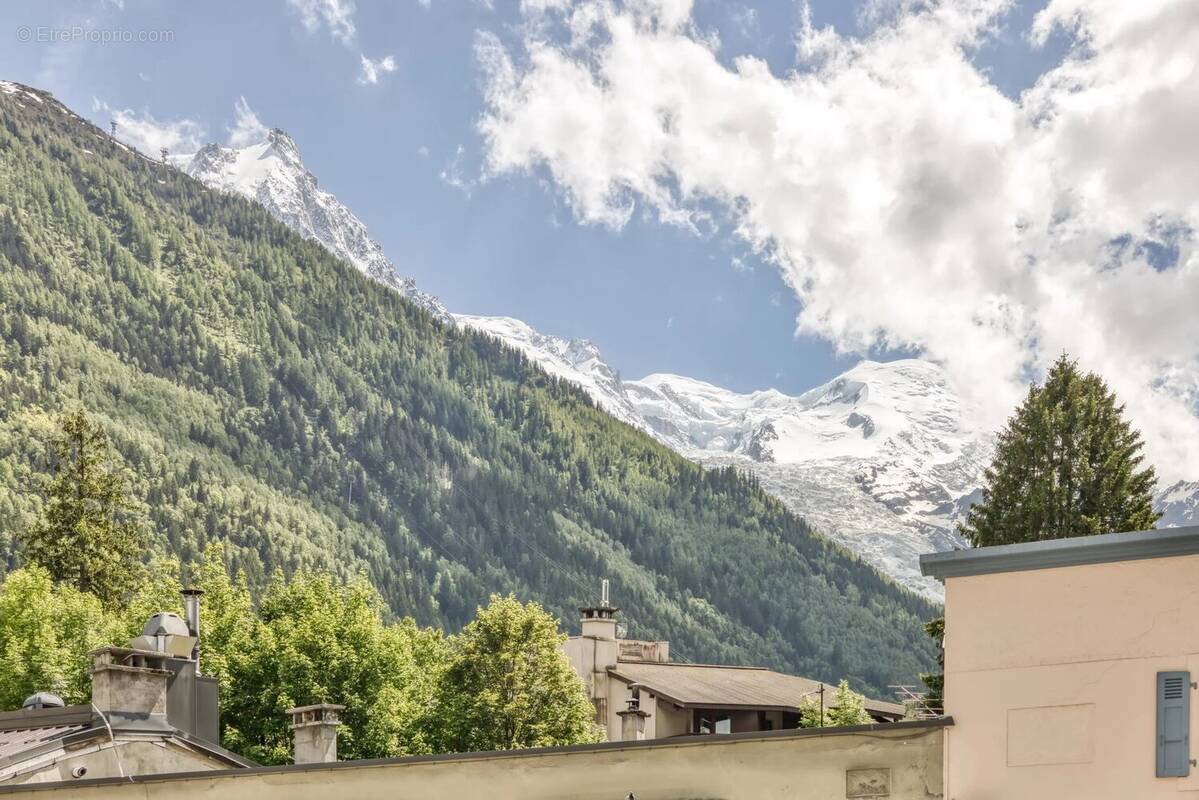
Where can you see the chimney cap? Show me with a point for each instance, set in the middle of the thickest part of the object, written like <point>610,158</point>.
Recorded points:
<point>191,591</point>
<point>316,714</point>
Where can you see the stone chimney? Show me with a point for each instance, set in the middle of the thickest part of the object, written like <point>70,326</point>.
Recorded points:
<point>128,682</point>
<point>632,719</point>
<point>316,732</point>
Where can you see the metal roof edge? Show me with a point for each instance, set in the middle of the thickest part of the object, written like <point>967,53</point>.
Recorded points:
<point>1100,549</point>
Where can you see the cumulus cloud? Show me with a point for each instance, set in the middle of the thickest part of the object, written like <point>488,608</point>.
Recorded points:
<point>335,15</point>
<point>141,130</point>
<point>246,128</point>
<point>372,69</point>
<point>907,202</point>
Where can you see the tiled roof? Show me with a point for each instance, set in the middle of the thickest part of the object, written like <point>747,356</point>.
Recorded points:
<point>714,686</point>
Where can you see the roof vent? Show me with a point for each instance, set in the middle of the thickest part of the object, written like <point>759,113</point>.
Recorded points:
<point>43,700</point>
<point>166,632</point>
<point>165,623</point>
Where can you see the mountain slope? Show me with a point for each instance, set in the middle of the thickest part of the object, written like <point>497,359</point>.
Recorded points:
<point>884,496</point>
<point>888,472</point>
<point>268,395</point>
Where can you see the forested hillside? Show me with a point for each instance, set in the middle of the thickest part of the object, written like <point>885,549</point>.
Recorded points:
<point>264,394</point>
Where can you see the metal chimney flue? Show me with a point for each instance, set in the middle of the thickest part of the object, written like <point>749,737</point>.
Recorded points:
<point>191,614</point>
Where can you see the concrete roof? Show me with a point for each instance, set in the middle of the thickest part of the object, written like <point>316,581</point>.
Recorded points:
<point>32,731</point>
<point>705,686</point>
<point>1101,549</point>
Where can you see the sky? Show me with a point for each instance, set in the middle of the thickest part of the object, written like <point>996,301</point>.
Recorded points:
<point>751,193</point>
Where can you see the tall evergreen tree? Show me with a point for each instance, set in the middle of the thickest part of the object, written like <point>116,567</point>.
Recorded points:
<point>88,536</point>
<point>1067,464</point>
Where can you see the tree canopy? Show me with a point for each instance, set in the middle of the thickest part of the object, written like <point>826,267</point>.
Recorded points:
<point>502,683</point>
<point>1067,464</point>
<point>88,535</point>
<point>508,683</point>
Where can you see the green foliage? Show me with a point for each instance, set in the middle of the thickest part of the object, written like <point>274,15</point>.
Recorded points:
<point>87,535</point>
<point>501,683</point>
<point>46,632</point>
<point>320,641</point>
<point>1067,464</point>
<point>841,707</point>
<point>934,682</point>
<point>47,629</point>
<point>508,684</point>
<point>267,396</point>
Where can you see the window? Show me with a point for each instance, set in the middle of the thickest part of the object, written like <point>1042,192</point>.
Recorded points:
<point>707,721</point>
<point>1173,724</point>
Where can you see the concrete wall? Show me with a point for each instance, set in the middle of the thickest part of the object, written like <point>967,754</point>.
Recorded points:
<point>789,764</point>
<point>1050,677</point>
<point>102,759</point>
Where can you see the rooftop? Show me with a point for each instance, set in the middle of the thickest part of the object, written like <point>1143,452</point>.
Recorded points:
<point>708,686</point>
<point>1101,549</point>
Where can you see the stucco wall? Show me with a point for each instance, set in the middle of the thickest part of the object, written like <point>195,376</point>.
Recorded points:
<point>1051,676</point>
<point>791,765</point>
<point>137,757</point>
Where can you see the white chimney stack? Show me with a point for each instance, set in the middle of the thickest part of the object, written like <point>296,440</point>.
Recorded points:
<point>315,730</point>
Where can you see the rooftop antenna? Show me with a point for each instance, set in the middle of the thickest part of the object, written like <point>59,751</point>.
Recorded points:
<point>604,593</point>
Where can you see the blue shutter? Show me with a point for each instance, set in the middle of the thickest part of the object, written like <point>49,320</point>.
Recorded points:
<point>1173,724</point>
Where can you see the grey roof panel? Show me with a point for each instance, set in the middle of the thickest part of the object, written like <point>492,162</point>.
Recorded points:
<point>1102,549</point>
<point>14,742</point>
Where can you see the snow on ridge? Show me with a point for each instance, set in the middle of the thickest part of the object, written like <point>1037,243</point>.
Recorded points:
<point>271,172</point>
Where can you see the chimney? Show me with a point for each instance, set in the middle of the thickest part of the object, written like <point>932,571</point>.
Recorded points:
<point>191,613</point>
<point>127,682</point>
<point>157,674</point>
<point>316,732</point>
<point>632,719</point>
<point>599,622</point>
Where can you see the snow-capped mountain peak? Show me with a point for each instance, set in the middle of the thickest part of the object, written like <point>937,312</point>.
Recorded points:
<point>272,172</point>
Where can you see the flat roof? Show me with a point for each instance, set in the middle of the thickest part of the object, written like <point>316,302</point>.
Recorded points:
<point>1050,553</point>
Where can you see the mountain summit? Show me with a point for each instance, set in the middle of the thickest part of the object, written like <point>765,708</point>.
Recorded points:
<point>271,172</point>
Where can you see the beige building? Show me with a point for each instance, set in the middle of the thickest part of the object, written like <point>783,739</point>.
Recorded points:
<point>639,693</point>
<point>1070,667</point>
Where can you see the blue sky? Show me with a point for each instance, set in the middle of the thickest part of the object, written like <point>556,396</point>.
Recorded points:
<point>654,297</point>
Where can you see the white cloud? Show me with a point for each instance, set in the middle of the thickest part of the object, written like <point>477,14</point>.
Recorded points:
<point>148,135</point>
<point>336,15</point>
<point>452,174</point>
<point>371,70</point>
<point>246,129</point>
<point>907,202</point>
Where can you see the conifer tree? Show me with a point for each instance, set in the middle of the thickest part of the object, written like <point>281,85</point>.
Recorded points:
<point>88,536</point>
<point>1067,464</point>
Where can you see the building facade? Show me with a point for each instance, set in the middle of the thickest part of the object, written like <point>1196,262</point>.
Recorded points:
<point>1070,667</point>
